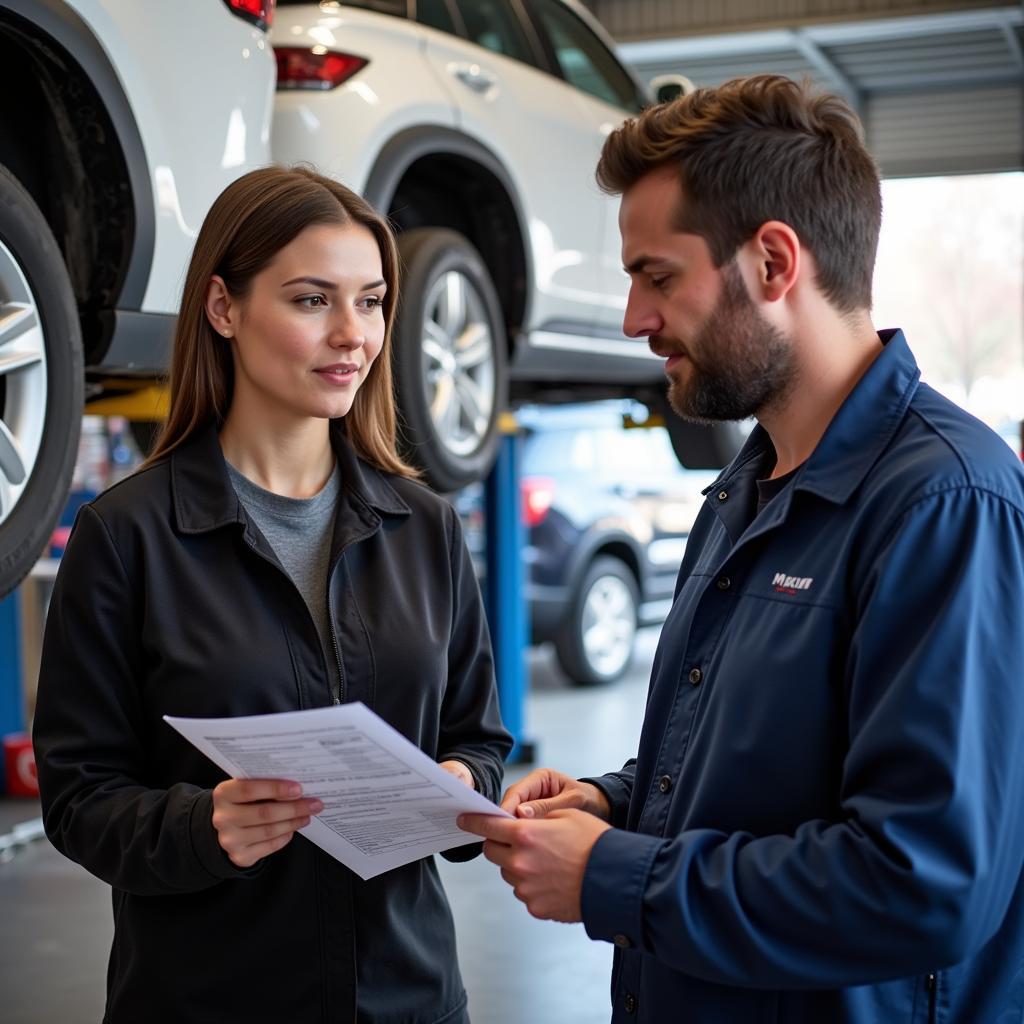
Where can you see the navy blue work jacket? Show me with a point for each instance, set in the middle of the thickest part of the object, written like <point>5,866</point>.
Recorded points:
<point>825,819</point>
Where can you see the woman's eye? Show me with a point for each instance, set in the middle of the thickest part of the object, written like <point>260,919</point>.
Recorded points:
<point>373,302</point>
<point>312,301</point>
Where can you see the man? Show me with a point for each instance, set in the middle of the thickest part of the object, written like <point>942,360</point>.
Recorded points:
<point>825,819</point>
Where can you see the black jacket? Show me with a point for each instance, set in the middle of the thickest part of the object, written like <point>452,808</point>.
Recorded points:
<point>169,601</point>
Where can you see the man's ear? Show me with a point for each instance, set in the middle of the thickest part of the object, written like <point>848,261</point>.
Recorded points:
<point>221,310</point>
<point>775,258</point>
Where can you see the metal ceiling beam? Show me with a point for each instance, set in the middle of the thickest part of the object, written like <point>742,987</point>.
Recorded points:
<point>1013,42</point>
<point>817,58</point>
<point>662,50</point>
<point>631,20</point>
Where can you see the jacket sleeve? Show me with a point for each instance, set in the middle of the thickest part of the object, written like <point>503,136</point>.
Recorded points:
<point>617,788</point>
<point>88,734</point>
<point>471,729</point>
<point>923,859</point>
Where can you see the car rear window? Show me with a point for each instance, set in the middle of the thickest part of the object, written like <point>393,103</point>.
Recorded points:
<point>602,452</point>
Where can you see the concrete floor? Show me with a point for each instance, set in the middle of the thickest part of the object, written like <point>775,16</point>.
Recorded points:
<point>55,925</point>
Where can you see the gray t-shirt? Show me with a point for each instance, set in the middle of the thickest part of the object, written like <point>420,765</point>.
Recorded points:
<point>299,531</point>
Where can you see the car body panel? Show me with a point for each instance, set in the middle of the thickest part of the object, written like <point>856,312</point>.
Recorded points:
<point>342,131</point>
<point>543,132</point>
<point>200,128</point>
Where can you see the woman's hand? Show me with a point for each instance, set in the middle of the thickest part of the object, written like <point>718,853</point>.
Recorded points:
<point>460,771</point>
<point>257,817</point>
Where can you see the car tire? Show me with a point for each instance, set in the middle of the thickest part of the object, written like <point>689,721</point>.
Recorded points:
<point>595,643</point>
<point>450,393</point>
<point>41,382</point>
<point>701,445</point>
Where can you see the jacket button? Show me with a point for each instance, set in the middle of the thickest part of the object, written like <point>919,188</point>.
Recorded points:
<point>696,676</point>
<point>622,941</point>
<point>723,583</point>
<point>629,1003</point>
<point>665,783</point>
<point>722,495</point>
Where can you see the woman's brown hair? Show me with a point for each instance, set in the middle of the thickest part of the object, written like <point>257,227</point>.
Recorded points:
<point>249,223</point>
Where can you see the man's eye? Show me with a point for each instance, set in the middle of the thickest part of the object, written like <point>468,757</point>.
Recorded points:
<point>660,282</point>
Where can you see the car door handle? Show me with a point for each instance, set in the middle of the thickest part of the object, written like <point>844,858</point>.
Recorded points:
<point>474,76</point>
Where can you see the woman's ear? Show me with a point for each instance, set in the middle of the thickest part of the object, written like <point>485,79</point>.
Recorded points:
<point>775,252</point>
<point>220,309</point>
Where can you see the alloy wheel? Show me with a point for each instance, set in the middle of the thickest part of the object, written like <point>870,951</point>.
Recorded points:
<point>458,363</point>
<point>22,382</point>
<point>609,625</point>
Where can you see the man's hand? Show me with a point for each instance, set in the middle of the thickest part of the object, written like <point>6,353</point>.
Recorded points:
<point>460,771</point>
<point>257,817</point>
<point>543,860</point>
<point>545,790</point>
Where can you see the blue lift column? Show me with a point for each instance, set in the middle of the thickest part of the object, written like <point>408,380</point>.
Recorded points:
<point>12,705</point>
<point>504,591</point>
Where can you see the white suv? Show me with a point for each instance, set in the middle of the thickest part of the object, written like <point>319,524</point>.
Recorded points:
<point>476,126</point>
<point>120,122</point>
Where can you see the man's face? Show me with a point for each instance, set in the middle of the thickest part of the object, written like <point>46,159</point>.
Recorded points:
<point>724,361</point>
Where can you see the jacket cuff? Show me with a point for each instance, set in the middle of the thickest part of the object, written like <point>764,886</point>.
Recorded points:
<point>207,850</point>
<point>617,794</point>
<point>612,900</point>
<point>479,784</point>
<point>459,854</point>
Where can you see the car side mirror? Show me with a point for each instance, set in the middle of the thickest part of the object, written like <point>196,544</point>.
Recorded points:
<point>668,87</point>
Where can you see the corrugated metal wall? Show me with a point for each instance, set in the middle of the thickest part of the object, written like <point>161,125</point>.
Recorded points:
<point>643,19</point>
<point>938,93</point>
<point>946,132</point>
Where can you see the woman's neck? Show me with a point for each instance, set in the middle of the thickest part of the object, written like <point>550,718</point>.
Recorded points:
<point>294,460</point>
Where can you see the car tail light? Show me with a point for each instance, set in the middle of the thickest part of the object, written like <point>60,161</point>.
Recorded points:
<point>259,12</point>
<point>538,494</point>
<point>314,68</point>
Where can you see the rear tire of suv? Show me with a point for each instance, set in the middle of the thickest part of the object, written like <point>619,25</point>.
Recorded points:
<point>595,644</point>
<point>41,382</point>
<point>701,445</point>
<point>450,358</point>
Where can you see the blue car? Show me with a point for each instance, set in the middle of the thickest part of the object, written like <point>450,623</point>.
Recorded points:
<point>607,509</point>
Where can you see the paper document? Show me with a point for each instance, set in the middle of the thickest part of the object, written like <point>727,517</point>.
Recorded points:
<point>385,802</point>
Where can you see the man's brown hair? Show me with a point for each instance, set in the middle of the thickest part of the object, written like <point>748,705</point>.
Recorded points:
<point>758,149</point>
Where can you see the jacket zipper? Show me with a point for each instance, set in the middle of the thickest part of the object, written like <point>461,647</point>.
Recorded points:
<point>931,983</point>
<point>335,697</point>
<point>339,696</point>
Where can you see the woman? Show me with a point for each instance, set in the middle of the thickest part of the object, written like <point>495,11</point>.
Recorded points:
<point>274,553</point>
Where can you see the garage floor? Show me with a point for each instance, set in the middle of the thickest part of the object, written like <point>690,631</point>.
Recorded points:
<point>55,918</point>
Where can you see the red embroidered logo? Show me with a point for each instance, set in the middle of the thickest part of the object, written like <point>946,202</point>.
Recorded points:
<point>784,584</point>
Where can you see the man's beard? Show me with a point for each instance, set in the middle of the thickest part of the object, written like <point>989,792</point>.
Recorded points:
<point>740,363</point>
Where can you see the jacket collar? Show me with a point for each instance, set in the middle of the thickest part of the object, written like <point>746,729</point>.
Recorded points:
<point>859,432</point>
<point>204,498</point>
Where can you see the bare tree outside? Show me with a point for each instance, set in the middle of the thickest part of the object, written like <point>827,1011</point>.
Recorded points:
<point>951,272</point>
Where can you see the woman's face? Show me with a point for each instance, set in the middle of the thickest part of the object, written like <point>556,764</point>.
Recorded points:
<point>306,335</point>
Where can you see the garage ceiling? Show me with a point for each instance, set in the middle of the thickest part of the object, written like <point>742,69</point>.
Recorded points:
<point>938,93</point>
